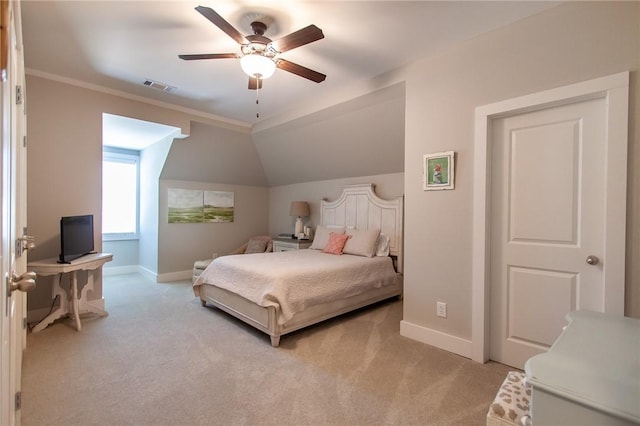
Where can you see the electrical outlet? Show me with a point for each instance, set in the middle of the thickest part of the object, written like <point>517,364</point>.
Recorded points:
<point>441,309</point>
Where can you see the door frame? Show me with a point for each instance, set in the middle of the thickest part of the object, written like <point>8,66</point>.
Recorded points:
<point>615,90</point>
<point>13,210</point>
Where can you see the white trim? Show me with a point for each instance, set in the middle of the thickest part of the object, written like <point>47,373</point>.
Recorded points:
<point>120,270</point>
<point>616,201</point>
<point>102,89</point>
<point>615,89</point>
<point>147,273</point>
<point>157,278</point>
<point>97,302</point>
<point>175,276</point>
<point>117,156</point>
<point>436,338</point>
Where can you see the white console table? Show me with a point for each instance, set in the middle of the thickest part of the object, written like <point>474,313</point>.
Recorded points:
<point>591,374</point>
<point>70,304</point>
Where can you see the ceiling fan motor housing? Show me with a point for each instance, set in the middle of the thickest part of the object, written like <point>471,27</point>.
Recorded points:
<point>259,28</point>
<point>258,43</point>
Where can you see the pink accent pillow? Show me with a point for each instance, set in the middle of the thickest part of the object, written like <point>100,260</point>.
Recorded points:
<point>336,243</point>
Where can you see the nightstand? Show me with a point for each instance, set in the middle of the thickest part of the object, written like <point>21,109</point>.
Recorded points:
<point>286,244</point>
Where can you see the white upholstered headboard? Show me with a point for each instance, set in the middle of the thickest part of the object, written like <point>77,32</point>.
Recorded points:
<point>359,207</point>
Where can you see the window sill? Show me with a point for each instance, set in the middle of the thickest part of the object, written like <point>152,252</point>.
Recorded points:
<point>119,237</point>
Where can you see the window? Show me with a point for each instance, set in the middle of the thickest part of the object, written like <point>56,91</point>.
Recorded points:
<point>120,194</point>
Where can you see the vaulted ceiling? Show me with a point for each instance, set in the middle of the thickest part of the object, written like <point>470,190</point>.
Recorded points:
<point>118,45</point>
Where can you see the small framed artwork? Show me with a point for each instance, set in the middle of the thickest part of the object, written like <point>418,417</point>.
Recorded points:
<point>438,170</point>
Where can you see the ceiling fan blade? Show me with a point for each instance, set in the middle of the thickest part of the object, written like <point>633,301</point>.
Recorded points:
<point>298,38</point>
<point>220,22</point>
<point>208,56</point>
<point>255,83</point>
<point>300,70</point>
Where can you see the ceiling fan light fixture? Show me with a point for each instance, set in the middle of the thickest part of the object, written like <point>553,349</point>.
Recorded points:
<point>257,66</point>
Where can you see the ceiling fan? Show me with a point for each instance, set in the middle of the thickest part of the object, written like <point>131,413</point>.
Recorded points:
<point>259,54</point>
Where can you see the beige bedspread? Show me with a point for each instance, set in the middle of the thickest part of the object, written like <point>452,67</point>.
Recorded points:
<point>295,280</point>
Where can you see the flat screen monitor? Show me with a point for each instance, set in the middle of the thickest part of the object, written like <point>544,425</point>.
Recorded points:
<point>76,237</point>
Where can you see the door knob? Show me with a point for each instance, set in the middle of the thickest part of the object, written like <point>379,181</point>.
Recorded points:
<point>25,282</point>
<point>592,260</point>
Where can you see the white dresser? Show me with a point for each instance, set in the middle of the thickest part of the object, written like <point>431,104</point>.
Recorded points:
<point>591,374</point>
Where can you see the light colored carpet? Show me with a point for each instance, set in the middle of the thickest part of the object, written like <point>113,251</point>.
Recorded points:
<point>160,358</point>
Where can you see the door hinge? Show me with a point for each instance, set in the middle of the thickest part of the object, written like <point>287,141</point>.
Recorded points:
<point>18,95</point>
<point>25,324</point>
<point>18,400</point>
<point>24,141</point>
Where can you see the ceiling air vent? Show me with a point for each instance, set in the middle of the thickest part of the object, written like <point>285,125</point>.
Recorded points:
<point>159,86</point>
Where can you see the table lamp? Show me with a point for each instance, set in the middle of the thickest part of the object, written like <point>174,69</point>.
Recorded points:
<point>299,209</point>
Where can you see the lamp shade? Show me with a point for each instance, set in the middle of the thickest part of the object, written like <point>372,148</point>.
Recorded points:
<point>258,66</point>
<point>299,209</point>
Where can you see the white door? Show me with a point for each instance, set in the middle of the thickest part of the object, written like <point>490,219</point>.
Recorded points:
<point>13,214</point>
<point>548,183</point>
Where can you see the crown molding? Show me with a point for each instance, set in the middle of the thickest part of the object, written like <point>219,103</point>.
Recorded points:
<point>90,86</point>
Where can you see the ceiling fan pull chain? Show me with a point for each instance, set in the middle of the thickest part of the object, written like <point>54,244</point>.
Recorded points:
<point>257,97</point>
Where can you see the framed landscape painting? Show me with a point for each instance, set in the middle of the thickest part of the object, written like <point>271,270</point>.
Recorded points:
<point>438,171</point>
<point>185,205</point>
<point>218,206</point>
<point>198,206</point>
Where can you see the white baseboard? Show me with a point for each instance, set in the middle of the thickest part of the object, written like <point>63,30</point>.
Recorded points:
<point>129,269</point>
<point>157,278</point>
<point>147,273</point>
<point>175,276</point>
<point>120,270</point>
<point>97,302</point>
<point>436,338</point>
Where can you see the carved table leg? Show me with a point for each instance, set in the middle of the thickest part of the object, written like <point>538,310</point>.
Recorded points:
<point>61,311</point>
<point>85,306</point>
<point>75,308</point>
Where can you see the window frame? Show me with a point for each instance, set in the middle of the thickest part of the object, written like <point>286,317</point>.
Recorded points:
<point>120,155</point>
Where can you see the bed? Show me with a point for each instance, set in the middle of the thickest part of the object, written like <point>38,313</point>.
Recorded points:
<point>281,292</point>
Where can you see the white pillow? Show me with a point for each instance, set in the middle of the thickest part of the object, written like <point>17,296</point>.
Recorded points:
<point>382,245</point>
<point>362,242</point>
<point>321,236</point>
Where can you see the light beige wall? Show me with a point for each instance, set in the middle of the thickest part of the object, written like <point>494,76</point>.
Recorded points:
<point>214,154</point>
<point>388,186</point>
<point>180,244</point>
<point>360,137</point>
<point>574,42</point>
